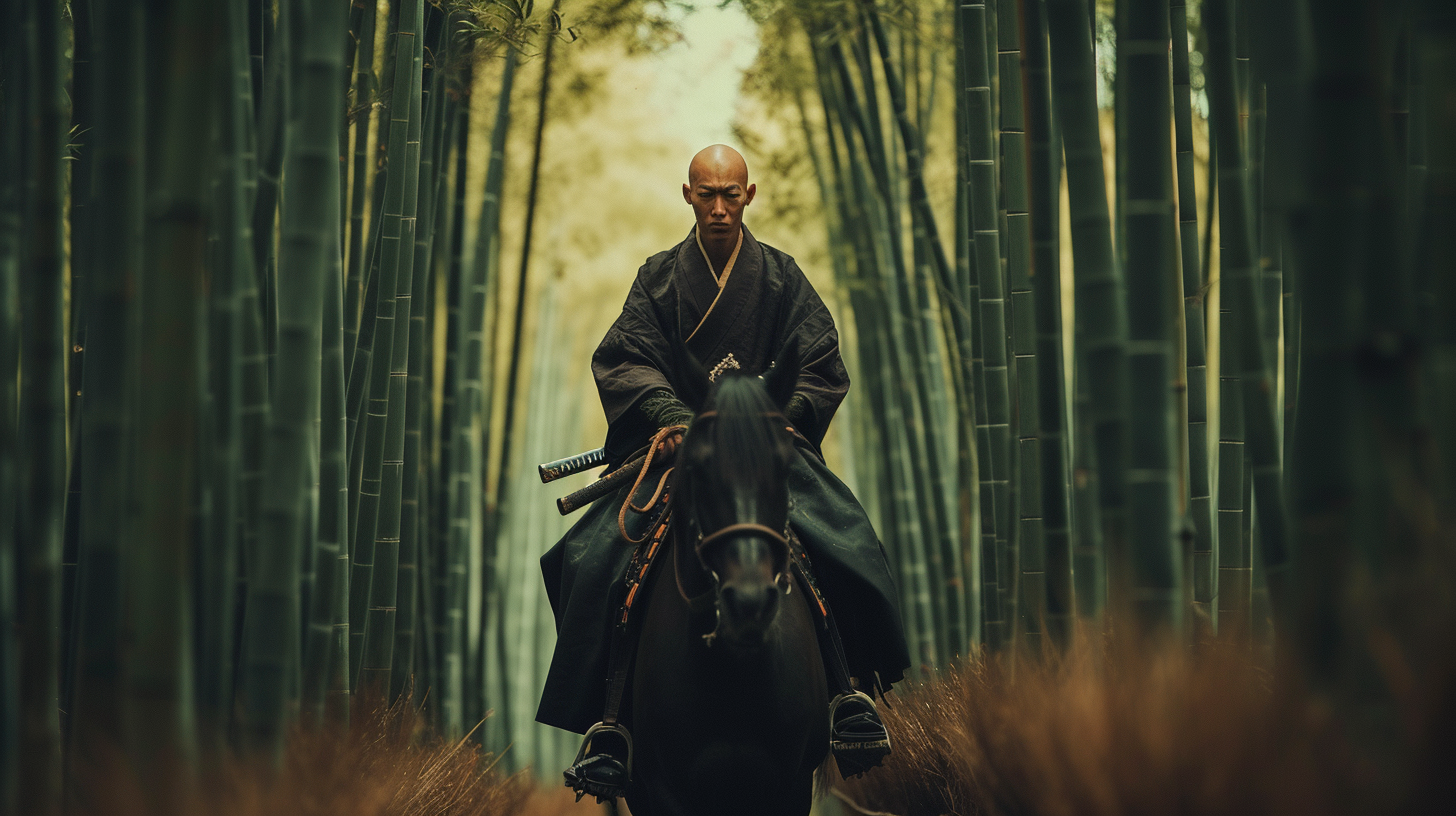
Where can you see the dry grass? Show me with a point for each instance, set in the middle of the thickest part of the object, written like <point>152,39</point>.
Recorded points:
<point>1111,728</point>
<point>1106,728</point>
<point>386,764</point>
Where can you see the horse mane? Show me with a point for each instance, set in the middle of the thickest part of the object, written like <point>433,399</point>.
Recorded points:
<point>745,439</point>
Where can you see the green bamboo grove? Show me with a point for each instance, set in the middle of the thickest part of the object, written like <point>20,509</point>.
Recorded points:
<point>1147,304</point>
<point>1126,437</point>
<point>232,233</point>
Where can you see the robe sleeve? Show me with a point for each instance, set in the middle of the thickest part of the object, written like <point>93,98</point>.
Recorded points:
<point>823,380</point>
<point>628,366</point>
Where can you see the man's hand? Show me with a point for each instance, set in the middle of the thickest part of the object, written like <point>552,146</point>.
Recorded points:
<point>667,448</point>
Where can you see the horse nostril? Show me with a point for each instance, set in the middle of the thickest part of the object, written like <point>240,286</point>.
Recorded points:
<point>754,604</point>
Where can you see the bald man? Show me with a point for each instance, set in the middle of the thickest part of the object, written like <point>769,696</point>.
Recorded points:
<point>736,304</point>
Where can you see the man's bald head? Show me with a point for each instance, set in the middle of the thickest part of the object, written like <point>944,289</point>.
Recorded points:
<point>719,161</point>
<point>718,190</point>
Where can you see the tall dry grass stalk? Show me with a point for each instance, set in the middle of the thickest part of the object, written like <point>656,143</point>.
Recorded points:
<point>1112,728</point>
<point>386,764</point>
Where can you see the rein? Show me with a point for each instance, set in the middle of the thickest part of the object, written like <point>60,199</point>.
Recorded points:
<point>659,441</point>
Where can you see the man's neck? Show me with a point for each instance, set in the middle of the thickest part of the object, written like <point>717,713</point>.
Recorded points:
<point>719,250</point>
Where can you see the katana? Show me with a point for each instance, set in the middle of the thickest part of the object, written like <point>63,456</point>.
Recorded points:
<point>601,487</point>
<point>551,471</point>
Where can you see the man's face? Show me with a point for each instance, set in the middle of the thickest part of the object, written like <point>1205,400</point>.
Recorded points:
<point>718,196</point>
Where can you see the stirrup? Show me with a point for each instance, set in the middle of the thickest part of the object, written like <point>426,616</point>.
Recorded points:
<point>579,775</point>
<point>856,753</point>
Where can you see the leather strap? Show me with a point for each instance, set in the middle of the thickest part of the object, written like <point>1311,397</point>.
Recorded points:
<point>831,648</point>
<point>742,527</point>
<point>623,647</point>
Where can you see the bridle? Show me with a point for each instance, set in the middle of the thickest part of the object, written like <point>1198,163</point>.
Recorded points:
<point>782,579</point>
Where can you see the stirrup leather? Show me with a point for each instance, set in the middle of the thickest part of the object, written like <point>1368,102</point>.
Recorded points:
<point>857,755</point>
<point>578,773</point>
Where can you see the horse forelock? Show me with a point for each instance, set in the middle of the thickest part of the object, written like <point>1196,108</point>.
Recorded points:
<point>749,448</point>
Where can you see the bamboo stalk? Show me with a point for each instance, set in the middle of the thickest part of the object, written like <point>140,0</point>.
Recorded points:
<point>1101,316</point>
<point>79,247</point>
<point>325,681</point>
<point>480,638</point>
<point>1153,561</point>
<point>472,416</point>
<point>994,427</point>
<point>1203,565</point>
<point>364,83</point>
<point>13,55</point>
<point>111,324</point>
<point>975,106</point>
<point>226,507</point>
<point>399,184</point>
<point>306,249</point>
<point>1248,360</point>
<point>326,652</point>
<point>1029,549</point>
<point>1044,149</point>
<point>271,98</point>
<point>419,358</point>
<point>971,380</point>
<point>378,641</point>
<point>361,359</point>
<point>253,354</point>
<point>158,576</point>
<point>494,592</point>
<point>259,32</point>
<point>458,277</point>
<point>42,413</point>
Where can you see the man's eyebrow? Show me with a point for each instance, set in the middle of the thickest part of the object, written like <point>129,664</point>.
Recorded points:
<point>702,185</point>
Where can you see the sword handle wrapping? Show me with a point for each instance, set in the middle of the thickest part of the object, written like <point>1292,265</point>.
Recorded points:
<point>623,475</point>
<point>551,471</point>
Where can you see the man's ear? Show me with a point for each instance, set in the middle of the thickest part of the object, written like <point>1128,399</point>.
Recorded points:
<point>783,375</point>
<point>748,194</point>
<point>695,383</point>
<point>687,194</point>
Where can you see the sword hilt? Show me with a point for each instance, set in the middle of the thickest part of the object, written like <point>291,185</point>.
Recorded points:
<point>551,471</point>
<point>567,505</point>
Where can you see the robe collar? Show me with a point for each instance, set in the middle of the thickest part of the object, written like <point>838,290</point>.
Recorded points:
<point>721,277</point>
<point>711,307</point>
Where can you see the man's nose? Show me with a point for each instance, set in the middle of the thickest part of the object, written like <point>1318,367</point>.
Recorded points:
<point>719,206</point>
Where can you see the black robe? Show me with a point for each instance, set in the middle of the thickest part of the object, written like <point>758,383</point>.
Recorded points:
<point>765,302</point>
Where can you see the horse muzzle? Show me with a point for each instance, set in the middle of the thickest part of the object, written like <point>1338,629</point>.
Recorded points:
<point>749,565</point>
<point>747,612</point>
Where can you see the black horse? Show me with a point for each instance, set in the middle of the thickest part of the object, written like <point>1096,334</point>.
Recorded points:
<point>728,695</point>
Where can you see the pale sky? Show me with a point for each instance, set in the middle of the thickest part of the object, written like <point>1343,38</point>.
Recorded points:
<point>696,87</point>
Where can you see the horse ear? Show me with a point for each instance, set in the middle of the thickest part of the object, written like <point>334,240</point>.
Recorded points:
<point>695,382</point>
<point>783,375</point>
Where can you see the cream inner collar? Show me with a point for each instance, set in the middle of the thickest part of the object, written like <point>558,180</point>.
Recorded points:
<point>721,277</point>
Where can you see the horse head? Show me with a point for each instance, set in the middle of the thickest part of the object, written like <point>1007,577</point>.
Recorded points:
<point>731,490</point>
